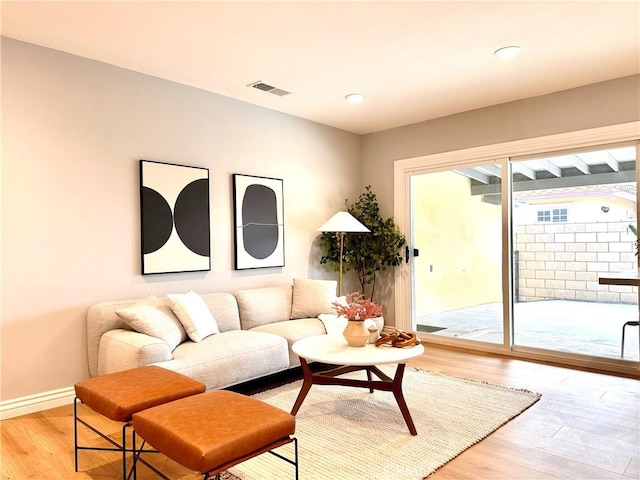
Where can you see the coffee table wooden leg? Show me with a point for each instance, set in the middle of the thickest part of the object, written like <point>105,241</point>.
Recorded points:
<point>306,385</point>
<point>369,379</point>
<point>397,392</point>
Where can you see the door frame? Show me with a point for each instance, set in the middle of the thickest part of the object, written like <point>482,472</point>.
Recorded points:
<point>545,145</point>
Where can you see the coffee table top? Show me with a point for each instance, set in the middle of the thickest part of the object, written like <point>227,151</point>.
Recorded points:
<point>334,350</point>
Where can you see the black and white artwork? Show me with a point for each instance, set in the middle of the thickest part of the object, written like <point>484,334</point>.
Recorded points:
<point>259,222</point>
<point>174,215</point>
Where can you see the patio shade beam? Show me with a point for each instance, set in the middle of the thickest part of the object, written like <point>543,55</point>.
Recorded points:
<point>611,162</point>
<point>524,170</point>
<point>564,182</point>
<point>474,174</point>
<point>580,164</point>
<point>493,170</point>
<point>547,165</point>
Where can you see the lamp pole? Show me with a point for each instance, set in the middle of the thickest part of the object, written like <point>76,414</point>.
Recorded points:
<point>341,235</point>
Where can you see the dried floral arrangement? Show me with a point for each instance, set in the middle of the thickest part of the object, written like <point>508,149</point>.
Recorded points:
<point>357,307</point>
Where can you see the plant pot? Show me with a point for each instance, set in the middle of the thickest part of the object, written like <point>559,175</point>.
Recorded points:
<point>355,333</point>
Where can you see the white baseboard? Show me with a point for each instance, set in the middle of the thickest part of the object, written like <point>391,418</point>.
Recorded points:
<point>36,403</point>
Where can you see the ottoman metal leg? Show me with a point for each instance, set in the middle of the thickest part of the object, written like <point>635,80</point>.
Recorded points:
<point>117,447</point>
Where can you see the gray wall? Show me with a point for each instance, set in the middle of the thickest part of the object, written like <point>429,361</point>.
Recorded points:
<point>73,132</point>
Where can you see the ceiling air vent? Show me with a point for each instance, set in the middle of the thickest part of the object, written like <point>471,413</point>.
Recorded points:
<point>269,88</point>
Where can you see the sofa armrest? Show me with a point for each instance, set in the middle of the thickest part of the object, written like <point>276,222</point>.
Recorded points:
<point>122,349</point>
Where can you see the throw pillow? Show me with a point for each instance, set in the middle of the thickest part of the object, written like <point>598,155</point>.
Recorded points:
<point>333,324</point>
<point>312,297</point>
<point>194,315</point>
<point>154,317</point>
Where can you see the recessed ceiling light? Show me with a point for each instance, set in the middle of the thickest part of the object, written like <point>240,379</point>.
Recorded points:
<point>508,52</point>
<point>355,98</point>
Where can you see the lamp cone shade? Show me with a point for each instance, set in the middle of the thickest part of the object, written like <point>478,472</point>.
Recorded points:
<point>343,222</point>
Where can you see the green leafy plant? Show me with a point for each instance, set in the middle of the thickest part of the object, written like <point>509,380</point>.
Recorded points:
<point>365,253</point>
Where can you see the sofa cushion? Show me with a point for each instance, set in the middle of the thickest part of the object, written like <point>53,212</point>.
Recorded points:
<point>259,306</point>
<point>155,318</point>
<point>224,308</point>
<point>230,357</point>
<point>293,330</point>
<point>195,316</point>
<point>312,297</point>
<point>121,349</point>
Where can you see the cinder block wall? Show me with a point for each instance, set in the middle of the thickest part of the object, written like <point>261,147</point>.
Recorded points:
<point>563,261</point>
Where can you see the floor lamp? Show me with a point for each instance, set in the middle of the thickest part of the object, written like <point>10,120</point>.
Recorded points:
<point>342,223</point>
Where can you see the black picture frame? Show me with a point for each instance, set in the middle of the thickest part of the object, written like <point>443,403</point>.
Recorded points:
<point>259,222</point>
<point>174,218</point>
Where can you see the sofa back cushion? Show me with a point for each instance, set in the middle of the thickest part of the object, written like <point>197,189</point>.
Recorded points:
<point>312,297</point>
<point>224,309</point>
<point>259,306</point>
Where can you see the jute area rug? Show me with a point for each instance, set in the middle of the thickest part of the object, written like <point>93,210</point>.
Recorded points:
<point>347,433</point>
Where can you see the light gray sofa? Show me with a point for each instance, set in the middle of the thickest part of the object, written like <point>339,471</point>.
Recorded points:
<point>256,330</point>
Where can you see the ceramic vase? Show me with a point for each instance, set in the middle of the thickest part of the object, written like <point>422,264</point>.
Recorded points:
<point>356,334</point>
<point>379,321</point>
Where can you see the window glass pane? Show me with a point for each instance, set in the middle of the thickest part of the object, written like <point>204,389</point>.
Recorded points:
<point>456,225</point>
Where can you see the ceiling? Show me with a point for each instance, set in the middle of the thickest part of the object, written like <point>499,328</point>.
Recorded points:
<point>414,60</point>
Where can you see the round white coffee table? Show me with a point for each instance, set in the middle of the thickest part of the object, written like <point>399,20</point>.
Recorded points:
<point>334,350</point>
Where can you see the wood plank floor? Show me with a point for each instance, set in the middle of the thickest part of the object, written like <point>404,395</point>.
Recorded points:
<point>586,426</point>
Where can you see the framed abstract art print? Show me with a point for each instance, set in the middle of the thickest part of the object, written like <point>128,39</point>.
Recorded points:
<point>259,222</point>
<point>174,217</point>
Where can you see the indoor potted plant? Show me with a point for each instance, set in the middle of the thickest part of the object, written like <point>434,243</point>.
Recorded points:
<point>357,308</point>
<point>365,253</point>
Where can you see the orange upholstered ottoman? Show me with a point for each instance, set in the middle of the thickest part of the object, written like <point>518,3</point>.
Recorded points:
<point>119,395</point>
<point>211,432</point>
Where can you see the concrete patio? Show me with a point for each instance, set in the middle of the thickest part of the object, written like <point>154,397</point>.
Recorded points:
<point>586,328</point>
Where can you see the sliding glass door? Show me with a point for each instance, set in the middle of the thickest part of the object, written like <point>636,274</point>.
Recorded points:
<point>506,252</point>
